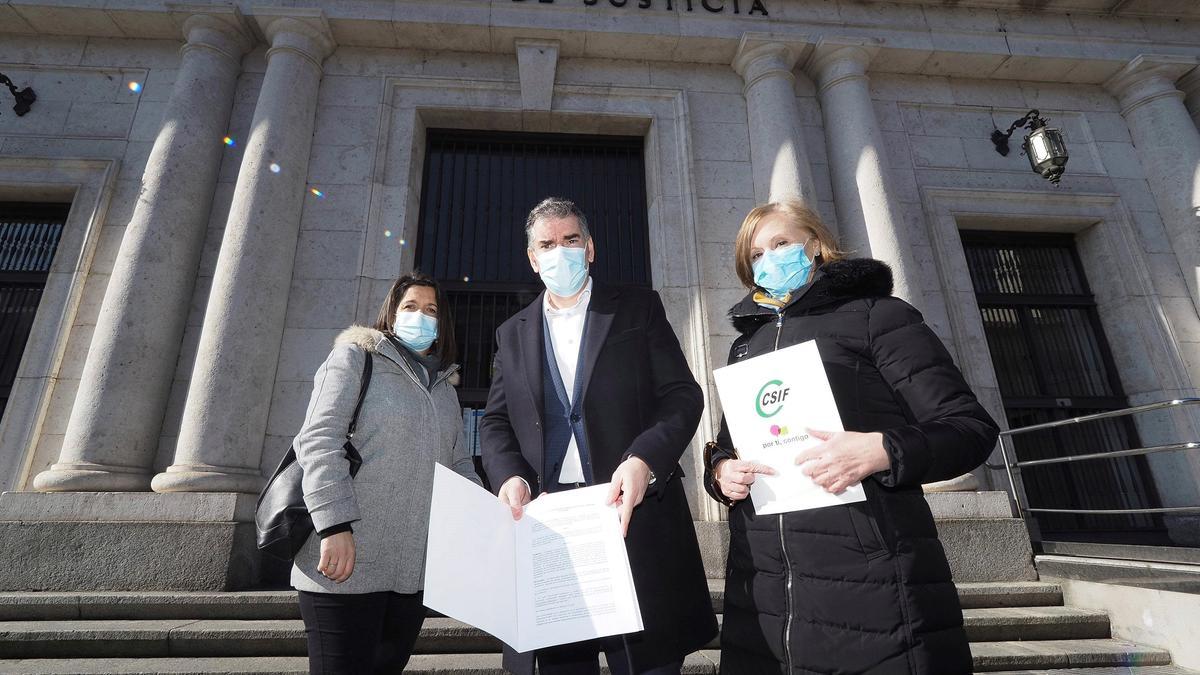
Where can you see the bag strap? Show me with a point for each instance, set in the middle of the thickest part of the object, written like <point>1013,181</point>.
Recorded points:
<point>368,365</point>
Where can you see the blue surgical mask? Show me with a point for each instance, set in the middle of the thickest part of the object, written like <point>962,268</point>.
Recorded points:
<point>415,330</point>
<point>783,270</point>
<point>564,270</point>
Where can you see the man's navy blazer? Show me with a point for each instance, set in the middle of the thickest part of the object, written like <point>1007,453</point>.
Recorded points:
<point>639,398</point>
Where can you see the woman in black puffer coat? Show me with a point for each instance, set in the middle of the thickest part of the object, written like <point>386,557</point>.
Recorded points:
<point>862,587</point>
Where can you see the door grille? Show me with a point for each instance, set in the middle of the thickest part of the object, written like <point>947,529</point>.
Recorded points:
<point>29,236</point>
<point>1052,362</point>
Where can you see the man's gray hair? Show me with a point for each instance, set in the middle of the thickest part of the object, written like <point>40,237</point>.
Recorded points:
<point>555,207</point>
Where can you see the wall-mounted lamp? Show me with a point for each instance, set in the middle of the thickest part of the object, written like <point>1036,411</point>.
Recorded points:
<point>24,97</point>
<point>1045,147</point>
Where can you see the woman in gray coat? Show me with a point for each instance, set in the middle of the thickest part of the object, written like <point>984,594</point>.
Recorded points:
<point>360,574</point>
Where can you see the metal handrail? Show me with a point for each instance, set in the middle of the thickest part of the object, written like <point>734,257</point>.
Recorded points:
<point>1164,509</point>
<point>1010,465</point>
<point>1105,455</point>
<point>1104,415</point>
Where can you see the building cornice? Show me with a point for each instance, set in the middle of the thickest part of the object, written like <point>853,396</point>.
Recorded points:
<point>918,38</point>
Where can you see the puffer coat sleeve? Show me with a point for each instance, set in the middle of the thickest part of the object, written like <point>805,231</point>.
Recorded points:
<point>949,433</point>
<point>328,488</point>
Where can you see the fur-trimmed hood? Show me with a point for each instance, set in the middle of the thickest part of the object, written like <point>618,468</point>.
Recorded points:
<point>369,340</point>
<point>858,278</point>
<point>835,282</point>
<point>364,336</point>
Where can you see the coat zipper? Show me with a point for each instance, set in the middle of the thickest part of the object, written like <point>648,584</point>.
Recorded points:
<point>787,561</point>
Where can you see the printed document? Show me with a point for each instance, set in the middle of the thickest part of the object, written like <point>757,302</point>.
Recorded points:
<point>770,402</point>
<point>559,574</point>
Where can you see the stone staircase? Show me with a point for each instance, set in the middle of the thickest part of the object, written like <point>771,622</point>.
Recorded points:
<point>1016,628</point>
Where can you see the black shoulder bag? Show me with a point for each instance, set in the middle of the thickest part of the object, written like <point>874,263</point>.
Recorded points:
<point>281,520</point>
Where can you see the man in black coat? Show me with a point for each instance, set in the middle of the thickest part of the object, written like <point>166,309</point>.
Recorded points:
<point>590,385</point>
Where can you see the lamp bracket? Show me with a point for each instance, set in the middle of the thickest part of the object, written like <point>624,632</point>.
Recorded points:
<point>1032,119</point>
<point>24,97</point>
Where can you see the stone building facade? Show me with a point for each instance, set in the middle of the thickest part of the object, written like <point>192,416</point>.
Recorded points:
<point>199,282</point>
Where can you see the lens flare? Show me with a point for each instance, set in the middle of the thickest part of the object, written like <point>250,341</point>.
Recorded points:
<point>228,140</point>
<point>274,167</point>
<point>135,87</point>
<point>317,193</point>
<point>404,242</point>
<point>466,278</point>
<point>387,233</point>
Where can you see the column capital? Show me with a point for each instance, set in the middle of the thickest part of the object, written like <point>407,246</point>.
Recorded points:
<point>218,27</point>
<point>834,60</point>
<point>762,54</point>
<point>1190,86</point>
<point>303,31</point>
<point>1148,77</point>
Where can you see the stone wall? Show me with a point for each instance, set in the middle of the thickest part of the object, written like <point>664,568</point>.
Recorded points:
<point>366,150</point>
<point>85,110</point>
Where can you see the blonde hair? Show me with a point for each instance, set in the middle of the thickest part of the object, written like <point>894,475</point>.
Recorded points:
<point>800,216</point>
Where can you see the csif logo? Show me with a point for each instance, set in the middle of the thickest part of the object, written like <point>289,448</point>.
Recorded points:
<point>770,398</point>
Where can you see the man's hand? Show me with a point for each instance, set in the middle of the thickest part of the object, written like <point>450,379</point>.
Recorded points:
<point>843,459</point>
<point>515,494</point>
<point>337,556</point>
<point>628,487</point>
<point>735,476</point>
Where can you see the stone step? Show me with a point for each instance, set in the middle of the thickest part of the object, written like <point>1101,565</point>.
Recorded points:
<point>977,595</point>
<point>285,637</point>
<point>146,605</point>
<point>1152,575</point>
<point>17,606</point>
<point>700,663</point>
<point>1109,670</point>
<point>1051,654</point>
<point>995,624</point>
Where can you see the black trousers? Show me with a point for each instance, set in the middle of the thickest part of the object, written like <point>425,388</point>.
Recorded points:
<point>360,633</point>
<point>583,658</point>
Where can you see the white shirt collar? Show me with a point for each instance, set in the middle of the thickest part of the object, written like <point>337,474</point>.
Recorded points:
<point>580,305</point>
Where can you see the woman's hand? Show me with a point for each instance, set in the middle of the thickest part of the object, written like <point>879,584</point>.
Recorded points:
<point>843,459</point>
<point>337,556</point>
<point>735,476</point>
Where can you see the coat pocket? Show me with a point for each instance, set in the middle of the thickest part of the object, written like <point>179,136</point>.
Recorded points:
<point>373,502</point>
<point>866,529</point>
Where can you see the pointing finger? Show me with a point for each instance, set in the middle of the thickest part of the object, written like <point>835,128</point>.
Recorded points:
<point>820,435</point>
<point>810,453</point>
<point>811,465</point>
<point>755,467</point>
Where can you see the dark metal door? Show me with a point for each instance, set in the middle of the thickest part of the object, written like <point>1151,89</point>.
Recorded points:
<point>29,235</point>
<point>478,188</point>
<point>1053,362</point>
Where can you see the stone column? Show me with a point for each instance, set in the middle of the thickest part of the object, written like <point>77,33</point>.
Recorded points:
<point>780,165</point>
<point>869,219</point>
<point>1168,145</point>
<point>112,434</point>
<point>225,417</point>
<point>870,222</point>
<point>1190,86</point>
